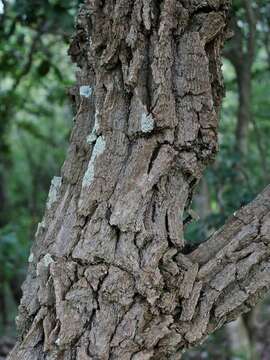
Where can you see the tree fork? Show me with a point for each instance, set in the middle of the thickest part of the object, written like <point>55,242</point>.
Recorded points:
<point>109,274</point>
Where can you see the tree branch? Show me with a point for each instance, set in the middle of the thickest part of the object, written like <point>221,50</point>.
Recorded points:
<point>27,66</point>
<point>251,19</point>
<point>233,270</point>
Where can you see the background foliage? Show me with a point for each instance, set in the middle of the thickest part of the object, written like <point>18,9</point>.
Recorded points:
<point>35,121</point>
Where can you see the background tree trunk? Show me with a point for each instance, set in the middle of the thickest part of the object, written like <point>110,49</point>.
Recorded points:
<point>241,54</point>
<point>109,277</point>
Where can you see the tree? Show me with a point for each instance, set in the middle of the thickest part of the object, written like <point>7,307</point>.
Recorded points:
<point>110,275</point>
<point>242,54</point>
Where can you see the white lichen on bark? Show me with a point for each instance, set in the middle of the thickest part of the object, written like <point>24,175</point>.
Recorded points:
<point>94,134</point>
<point>85,91</point>
<point>40,228</point>
<point>31,258</point>
<point>147,123</point>
<point>53,192</point>
<point>98,149</point>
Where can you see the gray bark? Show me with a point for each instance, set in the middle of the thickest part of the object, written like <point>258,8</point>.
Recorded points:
<point>109,274</point>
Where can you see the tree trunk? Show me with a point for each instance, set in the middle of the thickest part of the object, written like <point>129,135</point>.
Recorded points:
<point>243,74</point>
<point>109,274</point>
<point>241,54</point>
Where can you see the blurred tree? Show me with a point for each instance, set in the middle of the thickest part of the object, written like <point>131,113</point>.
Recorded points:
<point>241,53</point>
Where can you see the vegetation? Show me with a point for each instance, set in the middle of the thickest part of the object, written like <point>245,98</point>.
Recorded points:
<point>35,120</point>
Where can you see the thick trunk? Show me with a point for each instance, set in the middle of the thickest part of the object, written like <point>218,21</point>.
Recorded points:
<point>108,278</point>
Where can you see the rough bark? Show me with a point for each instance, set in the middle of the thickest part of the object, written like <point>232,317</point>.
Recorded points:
<point>109,274</point>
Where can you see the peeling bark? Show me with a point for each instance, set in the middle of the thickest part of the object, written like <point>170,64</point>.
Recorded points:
<point>109,274</point>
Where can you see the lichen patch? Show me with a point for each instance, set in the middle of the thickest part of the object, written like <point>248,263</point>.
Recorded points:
<point>94,134</point>
<point>97,151</point>
<point>85,91</point>
<point>147,123</point>
<point>47,260</point>
<point>53,193</point>
<point>31,258</point>
<point>40,228</point>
